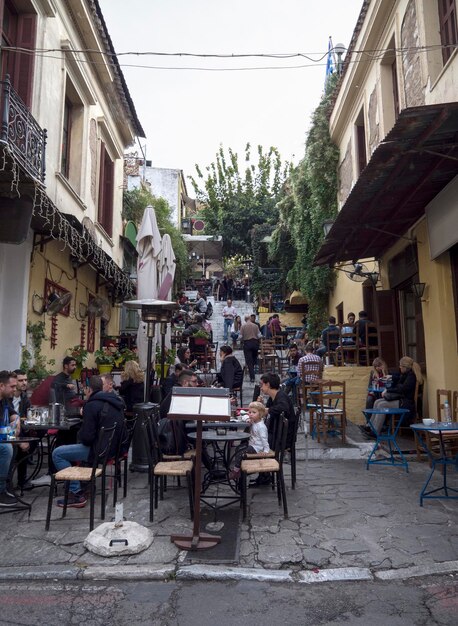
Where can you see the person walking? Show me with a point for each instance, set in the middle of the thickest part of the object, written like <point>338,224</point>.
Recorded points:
<point>249,335</point>
<point>229,314</point>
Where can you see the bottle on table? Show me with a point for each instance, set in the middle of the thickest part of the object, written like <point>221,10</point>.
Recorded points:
<point>5,424</point>
<point>447,414</point>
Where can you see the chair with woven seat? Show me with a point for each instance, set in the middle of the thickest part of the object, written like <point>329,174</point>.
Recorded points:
<point>330,415</point>
<point>85,474</point>
<point>348,349</point>
<point>267,359</point>
<point>267,463</point>
<point>159,470</point>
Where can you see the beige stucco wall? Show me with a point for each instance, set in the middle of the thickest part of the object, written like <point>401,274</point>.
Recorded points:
<point>347,292</point>
<point>356,379</point>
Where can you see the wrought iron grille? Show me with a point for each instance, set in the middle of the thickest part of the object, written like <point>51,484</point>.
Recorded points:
<point>22,133</point>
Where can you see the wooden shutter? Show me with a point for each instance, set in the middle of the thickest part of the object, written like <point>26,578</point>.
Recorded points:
<point>23,69</point>
<point>387,318</point>
<point>448,27</point>
<point>106,187</point>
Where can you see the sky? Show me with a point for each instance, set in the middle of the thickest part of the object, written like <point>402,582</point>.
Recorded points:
<point>188,114</point>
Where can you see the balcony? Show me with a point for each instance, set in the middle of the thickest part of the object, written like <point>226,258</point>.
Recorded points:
<point>21,133</point>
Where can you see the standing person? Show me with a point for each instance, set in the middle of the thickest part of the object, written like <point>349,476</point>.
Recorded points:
<point>258,441</point>
<point>101,410</point>
<point>132,388</point>
<point>7,389</point>
<point>65,388</point>
<point>231,372</point>
<point>229,314</point>
<point>249,334</point>
<point>400,395</point>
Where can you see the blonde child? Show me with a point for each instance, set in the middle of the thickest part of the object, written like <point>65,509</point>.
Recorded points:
<point>258,437</point>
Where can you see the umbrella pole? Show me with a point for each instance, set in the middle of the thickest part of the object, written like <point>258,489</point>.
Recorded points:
<point>149,356</point>
<point>163,333</point>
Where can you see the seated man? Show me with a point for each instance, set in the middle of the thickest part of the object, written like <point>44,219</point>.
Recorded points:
<point>187,378</point>
<point>293,380</point>
<point>361,324</point>
<point>333,344</point>
<point>65,387</point>
<point>101,409</point>
<point>310,374</point>
<point>8,415</point>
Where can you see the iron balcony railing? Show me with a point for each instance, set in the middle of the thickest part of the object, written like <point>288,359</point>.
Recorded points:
<point>22,133</point>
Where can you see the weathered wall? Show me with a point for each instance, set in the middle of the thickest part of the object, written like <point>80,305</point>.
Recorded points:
<point>414,89</point>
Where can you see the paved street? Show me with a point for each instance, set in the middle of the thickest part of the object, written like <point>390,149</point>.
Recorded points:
<point>423,602</point>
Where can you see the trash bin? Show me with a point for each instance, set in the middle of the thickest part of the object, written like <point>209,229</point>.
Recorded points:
<point>143,412</point>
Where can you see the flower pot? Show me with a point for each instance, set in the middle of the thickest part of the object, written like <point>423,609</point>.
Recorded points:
<point>104,368</point>
<point>157,369</point>
<point>77,373</point>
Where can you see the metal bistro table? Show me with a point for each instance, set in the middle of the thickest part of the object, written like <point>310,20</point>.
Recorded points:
<point>43,430</point>
<point>22,505</point>
<point>440,458</point>
<point>218,474</point>
<point>387,435</point>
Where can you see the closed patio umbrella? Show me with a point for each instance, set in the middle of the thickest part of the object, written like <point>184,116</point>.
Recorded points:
<point>149,246</point>
<point>167,273</point>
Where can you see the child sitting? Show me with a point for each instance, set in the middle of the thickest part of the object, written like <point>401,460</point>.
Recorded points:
<point>258,437</point>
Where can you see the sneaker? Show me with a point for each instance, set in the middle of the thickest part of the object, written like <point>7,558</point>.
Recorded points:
<point>75,500</point>
<point>7,499</point>
<point>42,481</point>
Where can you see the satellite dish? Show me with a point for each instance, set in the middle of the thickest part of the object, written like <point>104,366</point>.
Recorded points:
<point>100,307</point>
<point>357,272</point>
<point>57,303</point>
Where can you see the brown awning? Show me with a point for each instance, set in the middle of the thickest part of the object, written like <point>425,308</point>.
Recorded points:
<point>416,160</point>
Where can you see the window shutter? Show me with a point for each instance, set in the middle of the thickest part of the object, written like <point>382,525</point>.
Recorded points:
<point>108,195</point>
<point>23,73</point>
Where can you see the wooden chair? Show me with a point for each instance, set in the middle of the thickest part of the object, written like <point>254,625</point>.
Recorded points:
<point>265,463</point>
<point>442,396</point>
<point>330,415</point>
<point>159,470</point>
<point>348,350</point>
<point>268,358</point>
<point>450,440</point>
<point>85,474</point>
<point>198,347</point>
<point>371,348</point>
<point>211,354</point>
<point>332,344</point>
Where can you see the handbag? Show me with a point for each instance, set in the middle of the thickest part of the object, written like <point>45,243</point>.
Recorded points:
<point>392,395</point>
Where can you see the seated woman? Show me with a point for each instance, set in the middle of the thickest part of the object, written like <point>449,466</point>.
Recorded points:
<point>401,394</point>
<point>236,330</point>
<point>132,388</point>
<point>379,370</point>
<point>348,327</point>
<point>231,372</point>
<point>184,358</point>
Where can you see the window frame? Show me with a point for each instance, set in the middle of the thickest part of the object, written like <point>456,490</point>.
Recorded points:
<point>448,27</point>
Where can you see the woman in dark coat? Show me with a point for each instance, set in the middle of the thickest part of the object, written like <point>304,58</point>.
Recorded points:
<point>132,388</point>
<point>231,372</point>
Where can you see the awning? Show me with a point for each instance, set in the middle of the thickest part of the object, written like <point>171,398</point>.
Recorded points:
<point>208,247</point>
<point>416,160</point>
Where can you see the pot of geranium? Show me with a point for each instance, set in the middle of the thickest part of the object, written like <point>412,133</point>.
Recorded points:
<point>80,355</point>
<point>105,360</point>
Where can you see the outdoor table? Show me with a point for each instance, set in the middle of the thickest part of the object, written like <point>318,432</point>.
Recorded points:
<point>219,472</point>
<point>44,430</point>
<point>444,461</point>
<point>21,505</point>
<point>388,434</point>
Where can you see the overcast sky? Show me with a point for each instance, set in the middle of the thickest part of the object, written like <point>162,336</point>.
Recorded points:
<point>187,114</point>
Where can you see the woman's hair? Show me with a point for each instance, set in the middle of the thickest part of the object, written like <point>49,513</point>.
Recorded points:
<point>260,408</point>
<point>410,364</point>
<point>133,372</point>
<point>181,353</point>
<point>226,350</point>
<point>351,314</point>
<point>378,362</point>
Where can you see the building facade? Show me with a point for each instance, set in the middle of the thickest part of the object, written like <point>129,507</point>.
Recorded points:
<point>395,121</point>
<point>61,187</point>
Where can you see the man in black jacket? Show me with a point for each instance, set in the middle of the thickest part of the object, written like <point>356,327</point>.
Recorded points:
<point>101,410</point>
<point>279,402</point>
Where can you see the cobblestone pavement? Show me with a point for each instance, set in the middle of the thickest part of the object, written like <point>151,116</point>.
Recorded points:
<point>340,516</point>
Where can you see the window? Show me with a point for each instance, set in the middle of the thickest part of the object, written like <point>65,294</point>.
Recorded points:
<point>18,30</point>
<point>361,153</point>
<point>106,189</point>
<point>448,27</point>
<point>72,136</point>
<point>390,88</point>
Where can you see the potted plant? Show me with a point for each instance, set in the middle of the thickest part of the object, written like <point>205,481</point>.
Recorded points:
<point>33,361</point>
<point>169,359</point>
<point>105,359</point>
<point>126,354</point>
<point>201,338</point>
<point>80,355</point>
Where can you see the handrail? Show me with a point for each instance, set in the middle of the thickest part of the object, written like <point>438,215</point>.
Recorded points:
<point>21,132</point>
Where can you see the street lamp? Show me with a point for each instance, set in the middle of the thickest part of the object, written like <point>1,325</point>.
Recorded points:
<point>339,49</point>
<point>153,312</point>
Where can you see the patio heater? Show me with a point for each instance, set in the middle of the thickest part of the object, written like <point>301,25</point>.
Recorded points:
<point>153,312</point>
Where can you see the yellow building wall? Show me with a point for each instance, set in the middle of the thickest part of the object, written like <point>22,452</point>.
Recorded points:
<point>439,317</point>
<point>54,263</point>
<point>356,380</point>
<point>347,292</point>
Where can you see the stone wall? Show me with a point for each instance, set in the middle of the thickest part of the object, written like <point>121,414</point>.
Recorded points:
<point>356,379</point>
<point>410,41</point>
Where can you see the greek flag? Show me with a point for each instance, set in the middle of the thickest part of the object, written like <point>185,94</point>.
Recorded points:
<point>330,66</point>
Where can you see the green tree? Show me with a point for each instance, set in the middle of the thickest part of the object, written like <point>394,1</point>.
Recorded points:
<point>310,198</point>
<point>235,198</point>
<point>134,205</point>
